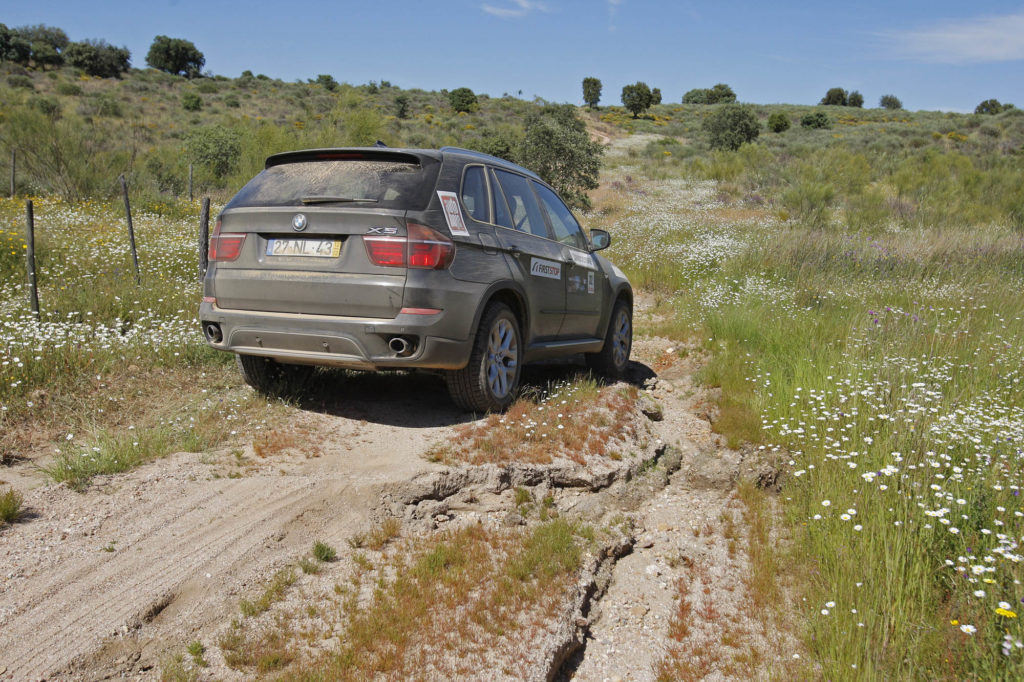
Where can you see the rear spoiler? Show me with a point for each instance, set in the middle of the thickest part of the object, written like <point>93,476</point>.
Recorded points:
<point>355,153</point>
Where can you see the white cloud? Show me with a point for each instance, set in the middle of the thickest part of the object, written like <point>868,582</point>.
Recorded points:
<point>520,8</point>
<point>613,7</point>
<point>984,39</point>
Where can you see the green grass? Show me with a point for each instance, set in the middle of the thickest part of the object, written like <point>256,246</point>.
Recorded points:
<point>11,502</point>
<point>324,552</point>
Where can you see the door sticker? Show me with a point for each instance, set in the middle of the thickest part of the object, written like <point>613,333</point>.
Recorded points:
<point>590,282</point>
<point>453,213</point>
<point>581,259</point>
<point>545,268</point>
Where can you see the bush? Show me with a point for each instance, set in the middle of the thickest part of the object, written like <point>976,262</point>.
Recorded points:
<point>855,100</point>
<point>696,96</point>
<point>720,93</point>
<point>324,552</point>
<point>817,119</point>
<point>215,149</point>
<point>48,106</point>
<point>836,97</point>
<point>98,58</point>
<point>207,87</point>
<point>732,125</point>
<point>778,122</point>
<point>68,89</point>
<point>191,101</point>
<point>558,148</point>
<point>231,101</point>
<point>18,81</point>
<point>101,104</point>
<point>402,106</point>
<point>462,99</point>
<point>989,106</point>
<point>327,82</point>
<point>10,506</point>
<point>176,56</point>
<point>891,102</point>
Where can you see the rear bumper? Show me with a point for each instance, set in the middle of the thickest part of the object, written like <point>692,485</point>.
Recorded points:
<point>440,341</point>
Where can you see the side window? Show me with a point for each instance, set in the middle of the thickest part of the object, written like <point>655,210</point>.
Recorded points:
<point>501,214</point>
<point>474,194</point>
<point>563,224</point>
<point>526,215</point>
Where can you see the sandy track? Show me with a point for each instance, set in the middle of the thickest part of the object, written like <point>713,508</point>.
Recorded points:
<point>163,550</point>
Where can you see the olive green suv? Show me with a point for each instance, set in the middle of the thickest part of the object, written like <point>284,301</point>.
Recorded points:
<point>378,258</point>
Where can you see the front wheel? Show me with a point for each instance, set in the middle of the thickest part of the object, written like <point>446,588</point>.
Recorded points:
<point>490,381</point>
<point>612,359</point>
<point>272,377</point>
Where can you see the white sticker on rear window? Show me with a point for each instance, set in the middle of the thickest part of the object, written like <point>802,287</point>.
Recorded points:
<point>581,259</point>
<point>453,213</point>
<point>545,268</point>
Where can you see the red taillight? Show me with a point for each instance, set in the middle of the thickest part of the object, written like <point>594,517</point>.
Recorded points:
<point>225,246</point>
<point>423,248</point>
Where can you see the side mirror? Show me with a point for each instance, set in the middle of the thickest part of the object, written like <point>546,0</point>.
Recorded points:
<point>599,239</point>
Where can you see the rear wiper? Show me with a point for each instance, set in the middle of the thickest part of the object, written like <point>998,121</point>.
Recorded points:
<point>336,200</point>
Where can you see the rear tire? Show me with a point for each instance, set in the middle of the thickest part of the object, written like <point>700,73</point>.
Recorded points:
<point>272,377</point>
<point>611,361</point>
<point>490,381</point>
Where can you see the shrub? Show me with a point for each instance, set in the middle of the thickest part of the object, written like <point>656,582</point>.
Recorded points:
<point>855,100</point>
<point>637,98</point>
<point>327,81</point>
<point>558,148</point>
<point>102,104</point>
<point>591,92</point>
<point>191,101</point>
<point>18,81</point>
<point>731,126</point>
<point>207,87</point>
<point>98,58</point>
<point>720,93</point>
<point>231,101</point>
<point>696,96</point>
<point>68,89</point>
<point>402,106</point>
<point>836,97</point>
<point>462,99</point>
<point>655,96</point>
<point>10,506</point>
<point>324,552</point>
<point>891,102</point>
<point>48,106</point>
<point>817,119</point>
<point>176,56</point>
<point>778,122</point>
<point>215,148</point>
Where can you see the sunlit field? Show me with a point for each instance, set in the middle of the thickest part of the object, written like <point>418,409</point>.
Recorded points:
<point>882,366</point>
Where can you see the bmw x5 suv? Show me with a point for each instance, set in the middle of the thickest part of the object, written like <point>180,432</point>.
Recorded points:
<point>378,258</point>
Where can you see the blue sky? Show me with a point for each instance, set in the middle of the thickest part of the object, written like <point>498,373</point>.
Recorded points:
<point>937,54</point>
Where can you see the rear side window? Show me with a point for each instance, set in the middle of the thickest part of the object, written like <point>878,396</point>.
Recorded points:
<point>341,182</point>
<point>501,214</point>
<point>563,224</point>
<point>526,215</point>
<point>474,194</point>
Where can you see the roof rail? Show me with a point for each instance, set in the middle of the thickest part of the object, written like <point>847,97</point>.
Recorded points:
<point>492,158</point>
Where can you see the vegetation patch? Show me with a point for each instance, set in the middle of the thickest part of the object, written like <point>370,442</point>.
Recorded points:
<point>574,419</point>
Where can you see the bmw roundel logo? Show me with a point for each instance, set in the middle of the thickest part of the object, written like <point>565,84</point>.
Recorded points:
<point>299,222</point>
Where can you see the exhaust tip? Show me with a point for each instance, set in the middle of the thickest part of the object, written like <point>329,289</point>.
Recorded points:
<point>399,346</point>
<point>212,332</point>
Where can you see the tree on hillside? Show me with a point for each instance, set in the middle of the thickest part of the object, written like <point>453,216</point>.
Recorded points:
<point>855,100</point>
<point>462,99</point>
<point>836,97</point>
<point>13,48</point>
<point>591,91</point>
<point>989,106</point>
<point>719,94</point>
<point>175,55</point>
<point>558,148</point>
<point>326,81</point>
<point>637,98</point>
<point>45,44</point>
<point>732,125</point>
<point>97,58</point>
<point>891,102</point>
<point>655,96</point>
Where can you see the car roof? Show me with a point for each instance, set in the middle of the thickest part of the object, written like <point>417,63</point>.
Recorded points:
<point>393,154</point>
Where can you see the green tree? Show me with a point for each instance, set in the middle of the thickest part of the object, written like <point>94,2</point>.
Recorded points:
<point>721,93</point>
<point>655,97</point>
<point>97,58</point>
<point>402,106</point>
<point>462,99</point>
<point>989,106</point>
<point>45,44</point>
<point>175,55</point>
<point>818,119</point>
<point>836,97</point>
<point>216,150</point>
<point>855,100</point>
<point>637,98</point>
<point>731,125</point>
<point>13,47</point>
<point>778,122</point>
<point>591,91</point>
<point>891,102</point>
<point>558,148</point>
<point>327,82</point>
<point>696,96</point>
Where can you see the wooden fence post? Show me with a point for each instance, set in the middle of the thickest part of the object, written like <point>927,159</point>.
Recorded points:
<point>131,229</point>
<point>30,253</point>
<point>14,161</point>
<point>190,183</point>
<point>204,238</point>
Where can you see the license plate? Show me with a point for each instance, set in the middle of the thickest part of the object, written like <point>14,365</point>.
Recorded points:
<point>321,248</point>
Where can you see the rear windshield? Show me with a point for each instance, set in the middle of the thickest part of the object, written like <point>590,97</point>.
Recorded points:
<point>349,182</point>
